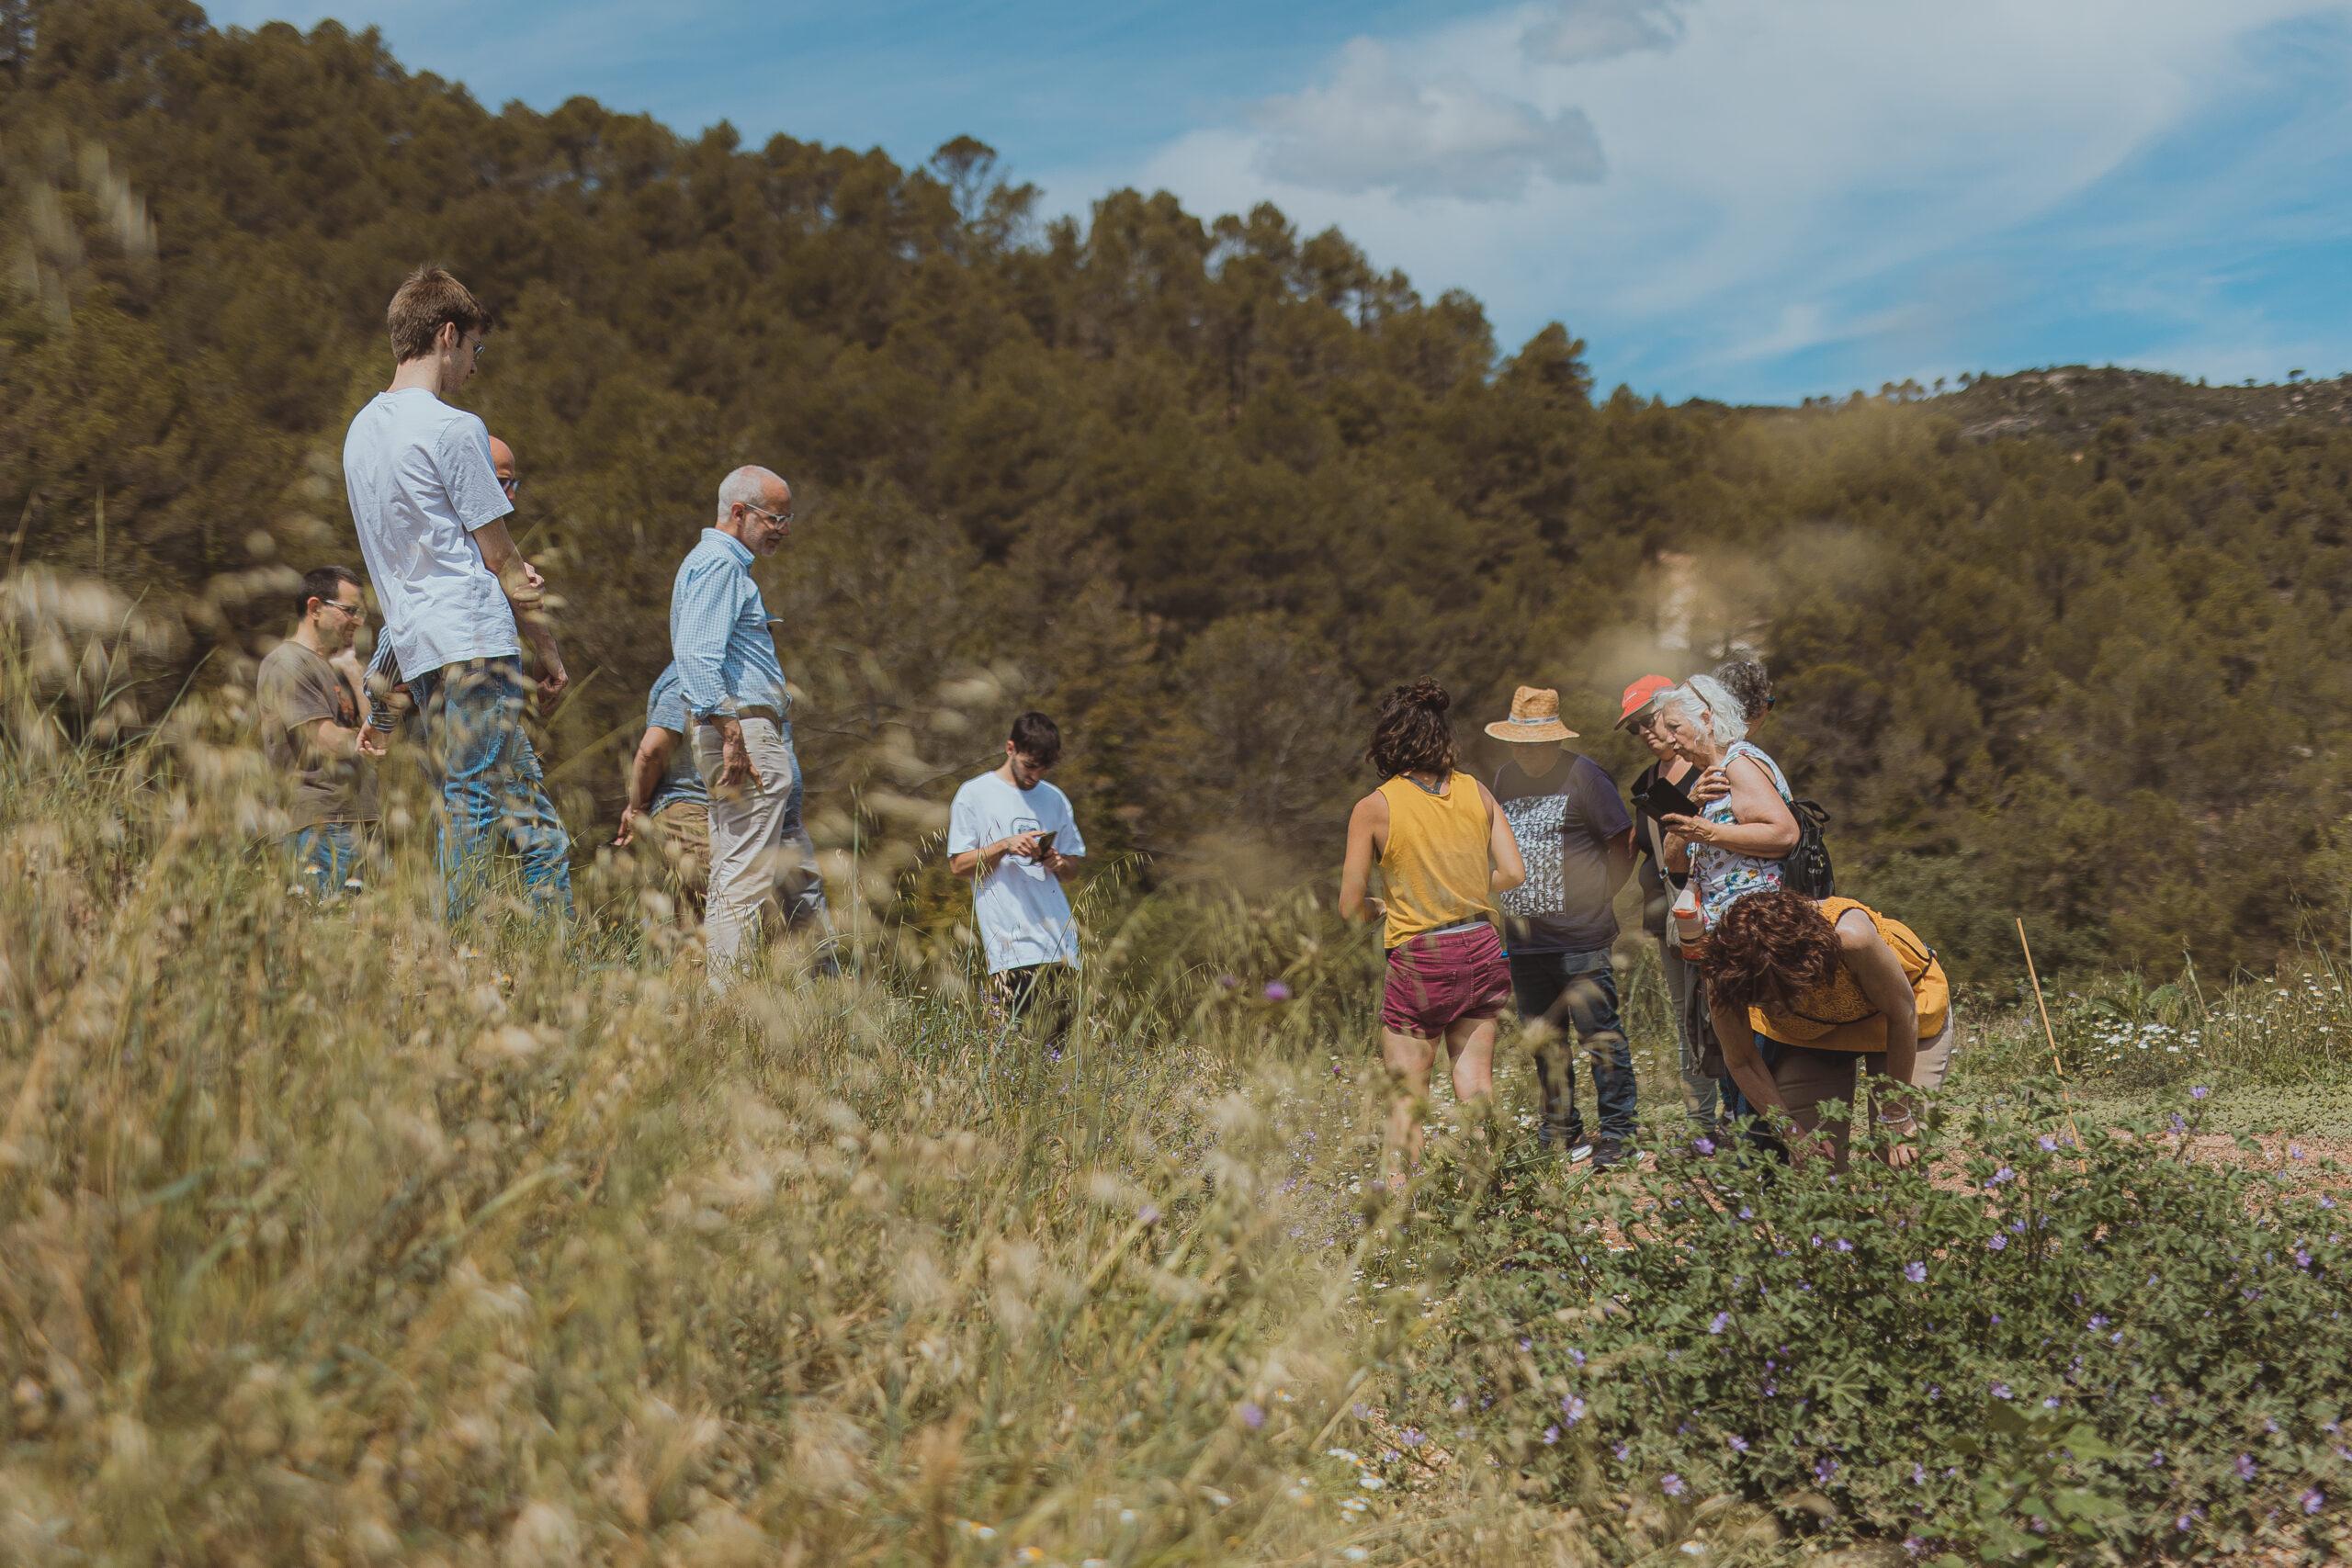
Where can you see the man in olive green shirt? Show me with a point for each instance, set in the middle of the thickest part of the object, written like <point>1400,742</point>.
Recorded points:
<point>310,714</point>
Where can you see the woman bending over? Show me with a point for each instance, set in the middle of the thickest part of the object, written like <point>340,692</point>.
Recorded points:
<point>1802,991</point>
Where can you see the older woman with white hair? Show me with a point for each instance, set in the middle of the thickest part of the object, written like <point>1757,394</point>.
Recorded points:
<point>1734,846</point>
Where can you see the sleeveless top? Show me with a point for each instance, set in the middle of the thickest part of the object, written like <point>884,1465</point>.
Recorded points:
<point>1436,864</point>
<point>1837,1017</point>
<point>1725,875</point>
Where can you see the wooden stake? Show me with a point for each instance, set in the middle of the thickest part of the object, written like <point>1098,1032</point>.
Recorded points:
<point>2049,1033</point>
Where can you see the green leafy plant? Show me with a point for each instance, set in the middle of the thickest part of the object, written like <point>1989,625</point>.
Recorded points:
<point>2018,1350</point>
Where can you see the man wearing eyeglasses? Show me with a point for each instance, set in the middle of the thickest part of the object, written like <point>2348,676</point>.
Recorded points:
<point>761,855</point>
<point>459,598</point>
<point>307,716</point>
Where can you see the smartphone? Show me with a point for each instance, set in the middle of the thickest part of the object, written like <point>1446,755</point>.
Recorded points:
<point>1045,845</point>
<point>1663,799</point>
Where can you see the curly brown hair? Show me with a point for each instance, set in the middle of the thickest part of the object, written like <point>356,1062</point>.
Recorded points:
<point>1412,735</point>
<point>1769,949</point>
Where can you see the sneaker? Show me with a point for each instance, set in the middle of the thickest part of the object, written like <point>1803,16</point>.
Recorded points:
<point>1578,1153</point>
<point>1606,1153</point>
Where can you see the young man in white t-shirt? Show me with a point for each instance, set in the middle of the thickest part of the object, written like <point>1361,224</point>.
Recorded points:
<point>457,596</point>
<point>1013,834</point>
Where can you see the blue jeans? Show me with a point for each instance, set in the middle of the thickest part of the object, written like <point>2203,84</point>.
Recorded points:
<point>325,857</point>
<point>1578,990</point>
<point>492,793</point>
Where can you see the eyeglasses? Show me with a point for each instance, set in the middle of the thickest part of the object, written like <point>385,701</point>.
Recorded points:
<point>510,487</point>
<point>776,517</point>
<point>351,611</point>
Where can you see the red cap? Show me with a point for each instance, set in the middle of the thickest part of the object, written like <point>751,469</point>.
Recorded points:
<point>1641,694</point>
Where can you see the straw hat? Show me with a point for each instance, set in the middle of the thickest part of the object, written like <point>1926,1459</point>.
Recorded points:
<point>1534,715</point>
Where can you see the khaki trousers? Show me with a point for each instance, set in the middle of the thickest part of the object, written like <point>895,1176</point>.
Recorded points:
<point>760,856</point>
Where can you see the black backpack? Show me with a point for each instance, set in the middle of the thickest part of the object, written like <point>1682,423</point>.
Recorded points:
<point>1806,869</point>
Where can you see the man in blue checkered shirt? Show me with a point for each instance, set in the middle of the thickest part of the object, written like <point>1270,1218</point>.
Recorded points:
<point>761,855</point>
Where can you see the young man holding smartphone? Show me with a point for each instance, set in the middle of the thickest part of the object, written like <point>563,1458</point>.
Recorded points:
<point>1014,835</point>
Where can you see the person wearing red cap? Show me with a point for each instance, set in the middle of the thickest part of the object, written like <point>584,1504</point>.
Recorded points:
<point>1700,1093</point>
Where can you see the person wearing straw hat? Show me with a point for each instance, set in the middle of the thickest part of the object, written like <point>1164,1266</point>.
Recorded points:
<point>1560,923</point>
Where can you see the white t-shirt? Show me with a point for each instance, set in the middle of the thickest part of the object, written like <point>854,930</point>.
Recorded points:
<point>1022,913</point>
<point>420,481</point>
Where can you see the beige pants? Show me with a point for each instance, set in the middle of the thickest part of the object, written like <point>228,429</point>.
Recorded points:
<point>1806,1078</point>
<point>761,857</point>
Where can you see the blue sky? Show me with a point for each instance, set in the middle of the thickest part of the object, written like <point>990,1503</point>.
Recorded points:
<point>1743,200</point>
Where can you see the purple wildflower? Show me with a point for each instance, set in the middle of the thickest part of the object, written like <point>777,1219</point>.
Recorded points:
<point>1722,1321</point>
<point>1842,1244</point>
<point>2314,1500</point>
<point>2245,1467</point>
<point>1572,1407</point>
<point>1671,1485</point>
<point>1703,1145</point>
<point>1228,982</point>
<point>2098,1320</point>
<point>1916,1271</point>
<point>1551,1436</point>
<point>1745,1212</point>
<point>1149,1213</point>
<point>2199,1092</point>
<point>2047,1143</point>
<point>1738,1444</point>
<point>1998,1241</point>
<point>1411,1437</point>
<point>1527,1344</point>
<point>1575,1355</point>
<point>1253,1414</point>
<point>2000,1390</point>
<point>1918,1475</point>
<point>1824,1468</point>
<point>2003,1174</point>
<point>2179,1122</point>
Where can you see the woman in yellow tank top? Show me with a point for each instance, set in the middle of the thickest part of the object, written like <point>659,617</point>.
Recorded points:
<point>1444,850</point>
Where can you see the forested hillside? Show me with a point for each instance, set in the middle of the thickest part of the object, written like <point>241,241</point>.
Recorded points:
<point>1201,486</point>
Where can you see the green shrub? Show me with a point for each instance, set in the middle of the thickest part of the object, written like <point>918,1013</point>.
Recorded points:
<point>2024,1351</point>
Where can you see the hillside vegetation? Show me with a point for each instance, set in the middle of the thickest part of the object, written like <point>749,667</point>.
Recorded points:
<point>1202,487</point>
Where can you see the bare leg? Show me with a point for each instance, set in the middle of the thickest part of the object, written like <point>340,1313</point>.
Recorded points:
<point>1409,1059</point>
<point>1471,1043</point>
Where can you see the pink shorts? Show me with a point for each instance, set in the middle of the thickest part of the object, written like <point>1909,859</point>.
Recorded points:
<point>1445,977</point>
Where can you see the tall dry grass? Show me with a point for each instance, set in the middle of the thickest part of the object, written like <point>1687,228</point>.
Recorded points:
<point>330,1240</point>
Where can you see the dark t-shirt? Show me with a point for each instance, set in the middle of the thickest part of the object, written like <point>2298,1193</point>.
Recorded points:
<point>1659,884</point>
<point>296,687</point>
<point>1565,823</point>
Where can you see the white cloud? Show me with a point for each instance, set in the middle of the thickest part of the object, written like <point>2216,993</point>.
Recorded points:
<point>1578,30</point>
<point>1373,127</point>
<point>1776,152</point>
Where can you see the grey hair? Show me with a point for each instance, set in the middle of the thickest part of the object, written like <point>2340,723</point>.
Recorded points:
<point>1704,701</point>
<point>743,487</point>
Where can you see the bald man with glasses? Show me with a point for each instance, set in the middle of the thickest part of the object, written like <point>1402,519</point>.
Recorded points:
<point>740,712</point>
